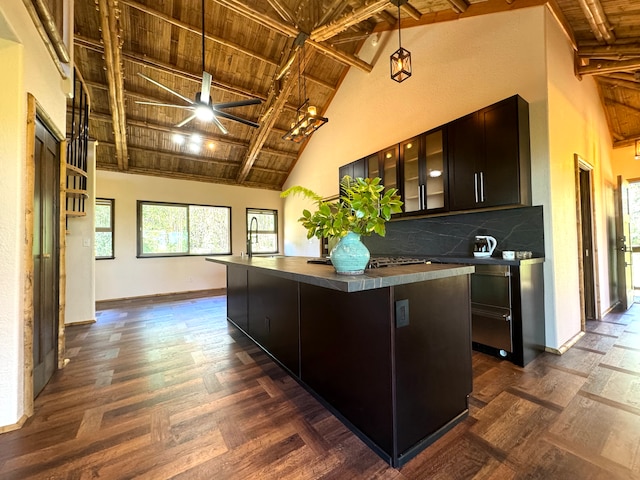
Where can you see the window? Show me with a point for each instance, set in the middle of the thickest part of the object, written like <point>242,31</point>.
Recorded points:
<point>264,237</point>
<point>173,229</point>
<point>104,228</point>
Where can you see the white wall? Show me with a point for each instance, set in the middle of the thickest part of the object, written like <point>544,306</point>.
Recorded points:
<point>80,305</point>
<point>28,68</point>
<point>459,67</point>
<point>577,125</point>
<point>625,164</point>
<point>127,276</point>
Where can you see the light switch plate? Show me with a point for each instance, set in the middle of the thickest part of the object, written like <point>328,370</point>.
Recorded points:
<point>86,242</point>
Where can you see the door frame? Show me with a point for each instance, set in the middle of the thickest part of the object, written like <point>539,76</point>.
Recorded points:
<point>582,165</point>
<point>35,109</point>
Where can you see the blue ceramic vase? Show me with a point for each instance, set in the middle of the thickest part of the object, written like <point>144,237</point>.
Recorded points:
<point>350,256</point>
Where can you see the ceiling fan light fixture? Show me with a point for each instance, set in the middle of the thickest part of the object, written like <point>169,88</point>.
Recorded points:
<point>177,139</point>
<point>194,147</point>
<point>204,113</point>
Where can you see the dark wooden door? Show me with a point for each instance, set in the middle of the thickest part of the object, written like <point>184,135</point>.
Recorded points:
<point>500,170</point>
<point>588,265</point>
<point>45,256</point>
<point>464,149</point>
<point>623,232</point>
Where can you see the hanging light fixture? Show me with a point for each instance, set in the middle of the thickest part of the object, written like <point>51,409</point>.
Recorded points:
<point>307,119</point>
<point>401,58</point>
<point>637,156</point>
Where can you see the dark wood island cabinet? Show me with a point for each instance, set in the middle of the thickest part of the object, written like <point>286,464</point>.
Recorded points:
<point>388,352</point>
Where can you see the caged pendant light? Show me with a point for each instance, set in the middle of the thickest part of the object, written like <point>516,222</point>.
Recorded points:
<point>401,58</point>
<point>307,119</point>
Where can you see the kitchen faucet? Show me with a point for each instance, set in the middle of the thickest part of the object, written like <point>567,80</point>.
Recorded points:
<point>249,242</point>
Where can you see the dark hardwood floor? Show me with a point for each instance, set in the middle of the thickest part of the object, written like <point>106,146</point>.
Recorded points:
<point>171,390</point>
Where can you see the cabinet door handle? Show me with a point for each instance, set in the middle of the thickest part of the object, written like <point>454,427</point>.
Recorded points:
<point>423,188</point>
<point>419,197</point>
<point>475,185</point>
<point>481,187</point>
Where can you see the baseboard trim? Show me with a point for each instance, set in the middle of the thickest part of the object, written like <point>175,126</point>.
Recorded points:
<point>16,426</point>
<point>566,346</point>
<point>81,322</point>
<point>173,296</point>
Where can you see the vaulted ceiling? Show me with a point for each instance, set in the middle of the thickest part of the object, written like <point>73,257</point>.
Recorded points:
<point>258,48</point>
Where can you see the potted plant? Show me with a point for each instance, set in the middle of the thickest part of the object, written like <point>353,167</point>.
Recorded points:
<point>362,209</point>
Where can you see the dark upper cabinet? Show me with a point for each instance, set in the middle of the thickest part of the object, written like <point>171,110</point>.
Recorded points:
<point>481,160</point>
<point>354,169</point>
<point>423,173</point>
<point>488,157</point>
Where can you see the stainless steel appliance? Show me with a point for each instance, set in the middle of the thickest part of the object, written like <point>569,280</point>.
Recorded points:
<point>491,309</point>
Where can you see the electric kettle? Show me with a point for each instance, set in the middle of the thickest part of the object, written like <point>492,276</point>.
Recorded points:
<point>484,245</point>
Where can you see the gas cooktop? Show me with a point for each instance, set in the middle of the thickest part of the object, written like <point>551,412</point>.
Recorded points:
<point>377,262</point>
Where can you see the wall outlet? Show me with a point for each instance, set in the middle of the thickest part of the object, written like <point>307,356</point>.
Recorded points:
<point>402,313</point>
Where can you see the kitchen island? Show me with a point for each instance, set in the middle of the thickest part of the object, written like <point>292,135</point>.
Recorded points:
<point>388,352</point>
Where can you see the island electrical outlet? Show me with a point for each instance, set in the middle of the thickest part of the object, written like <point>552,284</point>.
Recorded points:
<point>402,313</point>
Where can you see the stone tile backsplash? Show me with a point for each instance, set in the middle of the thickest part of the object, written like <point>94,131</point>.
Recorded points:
<point>514,229</point>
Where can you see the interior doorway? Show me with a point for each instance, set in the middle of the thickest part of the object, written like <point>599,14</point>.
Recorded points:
<point>45,251</point>
<point>587,251</point>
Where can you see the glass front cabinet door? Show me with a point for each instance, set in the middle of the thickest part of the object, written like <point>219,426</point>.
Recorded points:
<point>424,173</point>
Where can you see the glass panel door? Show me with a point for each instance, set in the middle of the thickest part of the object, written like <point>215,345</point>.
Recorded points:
<point>434,195</point>
<point>411,182</point>
<point>390,167</point>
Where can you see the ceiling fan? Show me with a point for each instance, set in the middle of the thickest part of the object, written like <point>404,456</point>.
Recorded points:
<point>202,107</point>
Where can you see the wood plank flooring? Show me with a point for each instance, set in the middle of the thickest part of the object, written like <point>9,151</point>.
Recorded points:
<point>168,389</point>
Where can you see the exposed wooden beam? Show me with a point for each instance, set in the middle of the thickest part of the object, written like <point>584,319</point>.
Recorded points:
<point>623,106</point>
<point>412,11</point>
<point>283,10</point>
<point>207,136</point>
<point>619,83</point>
<point>165,67</point>
<point>597,19</point>
<point>331,13</point>
<point>603,67</point>
<point>387,17</point>
<point>192,158</point>
<point>280,91</point>
<point>290,31</point>
<point>110,24</point>
<point>459,6</point>
<point>189,176</point>
<point>259,17</point>
<point>625,142</point>
<point>610,51</point>
<point>328,30</point>
<point>198,31</point>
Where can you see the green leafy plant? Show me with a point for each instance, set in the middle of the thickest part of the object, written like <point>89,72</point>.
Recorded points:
<point>363,208</point>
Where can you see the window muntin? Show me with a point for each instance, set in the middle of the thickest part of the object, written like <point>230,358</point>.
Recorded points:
<point>104,221</point>
<point>265,239</point>
<point>174,229</point>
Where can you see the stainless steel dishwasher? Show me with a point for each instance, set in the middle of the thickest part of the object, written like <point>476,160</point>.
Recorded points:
<point>491,308</point>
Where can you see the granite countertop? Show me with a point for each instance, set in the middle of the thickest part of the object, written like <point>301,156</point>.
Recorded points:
<point>297,269</point>
<point>471,260</point>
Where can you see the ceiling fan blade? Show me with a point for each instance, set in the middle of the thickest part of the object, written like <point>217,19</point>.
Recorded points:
<point>189,101</point>
<point>237,119</point>
<point>155,104</point>
<point>186,120</point>
<point>220,126</point>
<point>239,103</point>
<point>205,95</point>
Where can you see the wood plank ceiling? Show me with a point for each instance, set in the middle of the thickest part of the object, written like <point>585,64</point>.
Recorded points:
<point>257,48</point>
